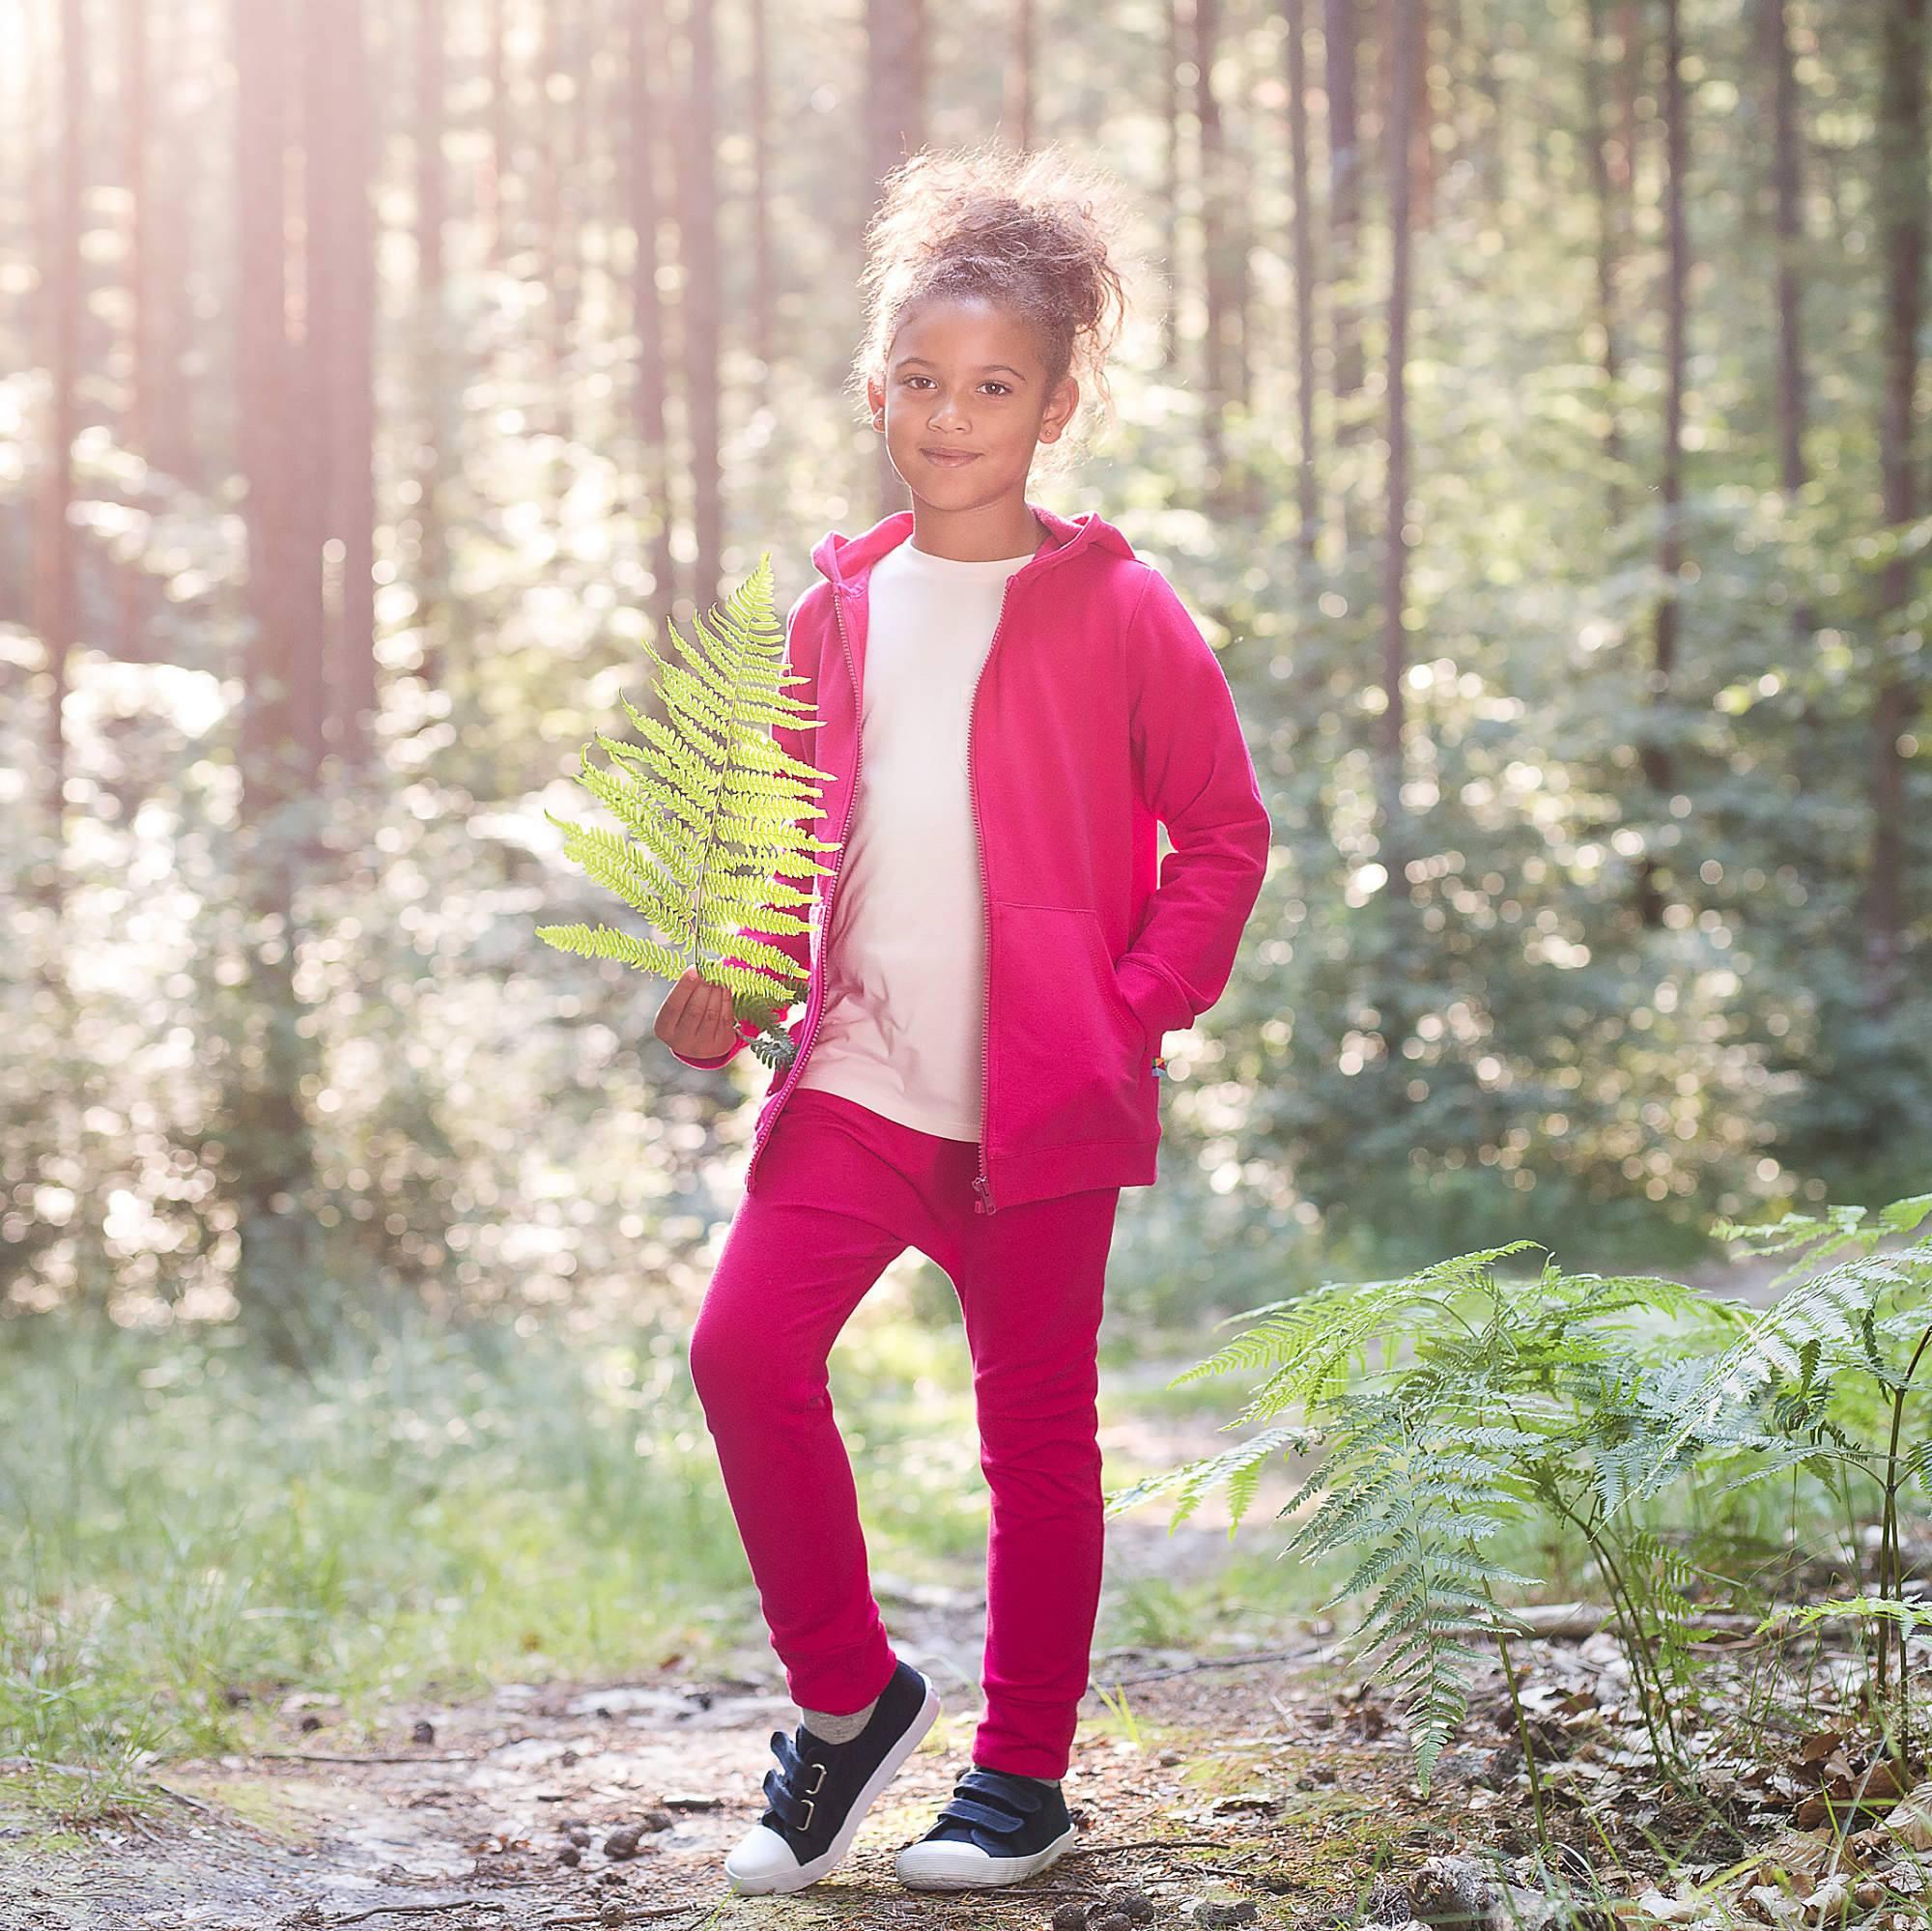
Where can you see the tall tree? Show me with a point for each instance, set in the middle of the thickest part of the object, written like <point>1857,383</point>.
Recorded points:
<point>269,1161</point>
<point>1901,200</point>
<point>763,300</point>
<point>1217,267</point>
<point>435,362</point>
<point>649,194</point>
<point>339,354</point>
<point>703,305</point>
<point>1170,175</point>
<point>1787,297</point>
<point>1658,767</point>
<point>1609,248</point>
<point>1405,29</point>
<point>1301,252</point>
<point>1017,112</point>
<point>61,242</point>
<point>895,122</point>
<point>1345,221</point>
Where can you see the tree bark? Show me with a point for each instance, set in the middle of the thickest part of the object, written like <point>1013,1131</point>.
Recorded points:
<point>1901,197</point>
<point>1301,252</point>
<point>1345,218</point>
<point>1610,244</point>
<point>1217,345</point>
<point>702,303</point>
<point>1658,767</point>
<point>895,120</point>
<point>649,194</point>
<point>1017,112</point>
<point>269,1162</point>
<point>1405,28</point>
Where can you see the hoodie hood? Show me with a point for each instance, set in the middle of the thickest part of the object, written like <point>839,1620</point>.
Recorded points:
<point>843,559</point>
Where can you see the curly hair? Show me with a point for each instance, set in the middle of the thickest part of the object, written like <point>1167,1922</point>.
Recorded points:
<point>1034,231</point>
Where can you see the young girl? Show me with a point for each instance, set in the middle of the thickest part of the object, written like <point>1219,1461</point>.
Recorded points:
<point>993,964</point>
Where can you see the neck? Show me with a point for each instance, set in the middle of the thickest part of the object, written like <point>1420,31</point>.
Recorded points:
<point>983,534</point>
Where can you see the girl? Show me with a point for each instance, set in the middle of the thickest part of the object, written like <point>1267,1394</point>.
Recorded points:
<point>993,963</point>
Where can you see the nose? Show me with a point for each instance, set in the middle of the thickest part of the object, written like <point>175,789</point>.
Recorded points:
<point>946,413</point>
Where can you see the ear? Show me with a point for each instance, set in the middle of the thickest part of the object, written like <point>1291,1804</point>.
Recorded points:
<point>1059,411</point>
<point>875,398</point>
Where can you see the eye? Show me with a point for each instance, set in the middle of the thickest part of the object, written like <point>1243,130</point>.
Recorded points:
<point>910,380</point>
<point>1000,386</point>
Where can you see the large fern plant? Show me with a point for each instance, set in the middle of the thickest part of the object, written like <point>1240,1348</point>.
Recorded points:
<point>1446,1407</point>
<point>714,846</point>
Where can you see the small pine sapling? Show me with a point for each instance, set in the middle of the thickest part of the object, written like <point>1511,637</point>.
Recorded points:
<point>713,847</point>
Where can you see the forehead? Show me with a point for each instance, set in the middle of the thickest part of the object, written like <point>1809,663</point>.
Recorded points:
<point>965,329</point>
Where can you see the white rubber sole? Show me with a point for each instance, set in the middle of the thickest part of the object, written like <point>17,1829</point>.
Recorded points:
<point>947,1865</point>
<point>765,1884</point>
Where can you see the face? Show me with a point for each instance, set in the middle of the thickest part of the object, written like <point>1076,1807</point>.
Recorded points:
<point>965,402</point>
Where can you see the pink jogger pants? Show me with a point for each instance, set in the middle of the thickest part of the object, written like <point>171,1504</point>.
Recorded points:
<point>841,1192</point>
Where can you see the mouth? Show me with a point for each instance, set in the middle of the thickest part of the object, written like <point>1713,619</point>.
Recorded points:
<point>951,458</point>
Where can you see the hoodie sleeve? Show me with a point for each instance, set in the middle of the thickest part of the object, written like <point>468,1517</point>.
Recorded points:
<point>1197,777</point>
<point>797,744</point>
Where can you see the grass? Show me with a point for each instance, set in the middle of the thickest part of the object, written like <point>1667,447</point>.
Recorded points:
<point>191,1536</point>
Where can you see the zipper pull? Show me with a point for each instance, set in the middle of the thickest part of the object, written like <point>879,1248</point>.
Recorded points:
<point>984,1187</point>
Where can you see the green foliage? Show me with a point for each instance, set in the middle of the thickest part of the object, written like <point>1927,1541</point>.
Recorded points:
<point>714,816</point>
<point>1453,1404</point>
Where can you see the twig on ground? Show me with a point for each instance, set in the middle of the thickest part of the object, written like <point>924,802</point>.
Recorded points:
<point>448,1904</point>
<point>1221,1662</point>
<point>1149,1844</point>
<point>632,1915</point>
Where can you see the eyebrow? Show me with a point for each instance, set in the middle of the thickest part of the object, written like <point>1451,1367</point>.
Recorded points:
<point>986,368</point>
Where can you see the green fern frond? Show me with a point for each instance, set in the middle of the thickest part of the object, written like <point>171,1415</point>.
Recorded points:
<point>1239,1468</point>
<point>714,844</point>
<point>1826,1322</point>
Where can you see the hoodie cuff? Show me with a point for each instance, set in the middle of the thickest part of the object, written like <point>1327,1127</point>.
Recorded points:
<point>712,1065</point>
<point>1154,996</point>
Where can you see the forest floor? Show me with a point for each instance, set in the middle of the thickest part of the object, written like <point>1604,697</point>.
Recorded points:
<point>1230,1782</point>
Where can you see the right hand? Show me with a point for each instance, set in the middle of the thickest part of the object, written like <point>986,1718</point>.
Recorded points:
<point>696,1018</point>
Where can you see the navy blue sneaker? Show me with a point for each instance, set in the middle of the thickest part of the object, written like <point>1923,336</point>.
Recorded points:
<point>819,1792</point>
<point>996,1828</point>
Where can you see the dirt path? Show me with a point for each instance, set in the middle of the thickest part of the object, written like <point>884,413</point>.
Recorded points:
<point>1249,1768</point>
<point>466,1829</point>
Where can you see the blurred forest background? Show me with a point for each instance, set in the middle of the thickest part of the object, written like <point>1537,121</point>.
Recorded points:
<point>1530,403</point>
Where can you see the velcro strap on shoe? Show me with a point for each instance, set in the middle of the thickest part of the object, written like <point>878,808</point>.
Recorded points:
<point>1020,1792</point>
<point>969,1810</point>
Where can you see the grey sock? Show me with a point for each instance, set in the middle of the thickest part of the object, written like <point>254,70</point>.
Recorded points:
<point>1054,1780</point>
<point>836,1729</point>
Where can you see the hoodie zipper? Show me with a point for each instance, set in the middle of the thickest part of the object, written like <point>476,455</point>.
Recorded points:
<point>832,890</point>
<point>983,1185</point>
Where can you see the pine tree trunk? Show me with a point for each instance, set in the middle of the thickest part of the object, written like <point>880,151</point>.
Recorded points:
<point>1301,252</point>
<point>896,119</point>
<point>1658,767</point>
<point>1017,112</point>
<point>1170,211</point>
<point>763,293</point>
<point>1216,358</point>
<point>703,304</point>
<point>1344,219</point>
<point>1901,197</point>
<point>268,1165</point>
<point>1609,255</point>
<point>1405,28</point>
<point>649,192</point>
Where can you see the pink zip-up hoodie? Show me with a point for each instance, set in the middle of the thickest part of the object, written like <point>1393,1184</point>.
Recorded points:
<point>1100,714</point>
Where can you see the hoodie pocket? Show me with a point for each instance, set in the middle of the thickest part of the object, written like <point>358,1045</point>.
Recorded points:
<point>1072,1060</point>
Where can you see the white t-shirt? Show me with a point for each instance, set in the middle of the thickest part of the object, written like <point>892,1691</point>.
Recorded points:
<point>904,1026</point>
